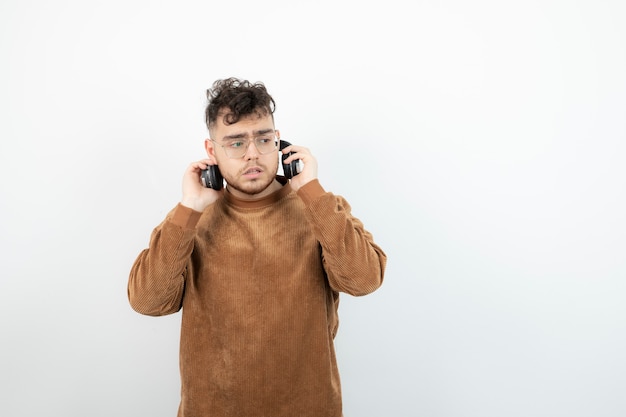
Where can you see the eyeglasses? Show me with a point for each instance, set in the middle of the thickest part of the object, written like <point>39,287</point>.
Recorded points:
<point>237,148</point>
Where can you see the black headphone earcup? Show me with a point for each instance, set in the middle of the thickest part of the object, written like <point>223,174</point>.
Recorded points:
<point>291,169</point>
<point>288,169</point>
<point>212,178</point>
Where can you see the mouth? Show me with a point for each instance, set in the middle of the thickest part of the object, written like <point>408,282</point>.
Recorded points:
<point>252,172</point>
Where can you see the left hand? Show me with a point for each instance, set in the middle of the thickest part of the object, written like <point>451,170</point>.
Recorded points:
<point>309,165</point>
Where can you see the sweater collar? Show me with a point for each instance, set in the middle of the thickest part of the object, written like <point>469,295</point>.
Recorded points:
<point>261,202</point>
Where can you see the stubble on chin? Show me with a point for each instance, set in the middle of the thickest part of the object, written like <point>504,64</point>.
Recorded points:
<point>251,187</point>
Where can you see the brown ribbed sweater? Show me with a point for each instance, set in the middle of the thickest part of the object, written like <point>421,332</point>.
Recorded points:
<point>258,284</point>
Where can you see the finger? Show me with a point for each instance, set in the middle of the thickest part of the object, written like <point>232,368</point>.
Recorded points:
<point>202,164</point>
<point>296,149</point>
<point>304,157</point>
<point>293,157</point>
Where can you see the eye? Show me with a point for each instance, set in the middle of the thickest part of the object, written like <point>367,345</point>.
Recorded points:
<point>264,140</point>
<point>236,144</point>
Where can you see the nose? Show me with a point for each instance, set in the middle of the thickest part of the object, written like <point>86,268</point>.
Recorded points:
<point>252,152</point>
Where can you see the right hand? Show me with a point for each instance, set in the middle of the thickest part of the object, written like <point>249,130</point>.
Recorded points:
<point>195,195</point>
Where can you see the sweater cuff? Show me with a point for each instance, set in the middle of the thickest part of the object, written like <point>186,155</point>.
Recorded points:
<point>310,191</point>
<point>185,217</point>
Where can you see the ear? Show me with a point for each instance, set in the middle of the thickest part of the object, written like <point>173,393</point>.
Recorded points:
<point>277,134</point>
<point>209,146</point>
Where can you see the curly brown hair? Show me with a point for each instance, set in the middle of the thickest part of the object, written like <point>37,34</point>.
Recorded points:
<point>235,99</point>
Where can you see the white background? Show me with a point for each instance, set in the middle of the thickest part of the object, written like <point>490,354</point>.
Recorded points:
<point>482,143</point>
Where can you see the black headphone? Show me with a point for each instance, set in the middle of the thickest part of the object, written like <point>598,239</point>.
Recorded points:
<point>293,168</point>
<point>212,177</point>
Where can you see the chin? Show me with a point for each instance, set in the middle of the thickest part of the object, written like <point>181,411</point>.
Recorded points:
<point>252,187</point>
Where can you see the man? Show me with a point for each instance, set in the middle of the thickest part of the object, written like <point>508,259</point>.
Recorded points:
<point>257,269</point>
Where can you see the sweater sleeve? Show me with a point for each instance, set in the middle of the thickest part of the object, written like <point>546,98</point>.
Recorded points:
<point>353,262</point>
<point>157,278</point>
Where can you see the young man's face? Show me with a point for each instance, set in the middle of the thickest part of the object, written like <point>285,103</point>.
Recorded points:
<point>253,174</point>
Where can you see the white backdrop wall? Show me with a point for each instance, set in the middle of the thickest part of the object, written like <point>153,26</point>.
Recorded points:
<point>482,143</point>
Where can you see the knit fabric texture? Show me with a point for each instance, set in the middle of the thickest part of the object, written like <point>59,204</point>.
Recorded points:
<point>258,283</point>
